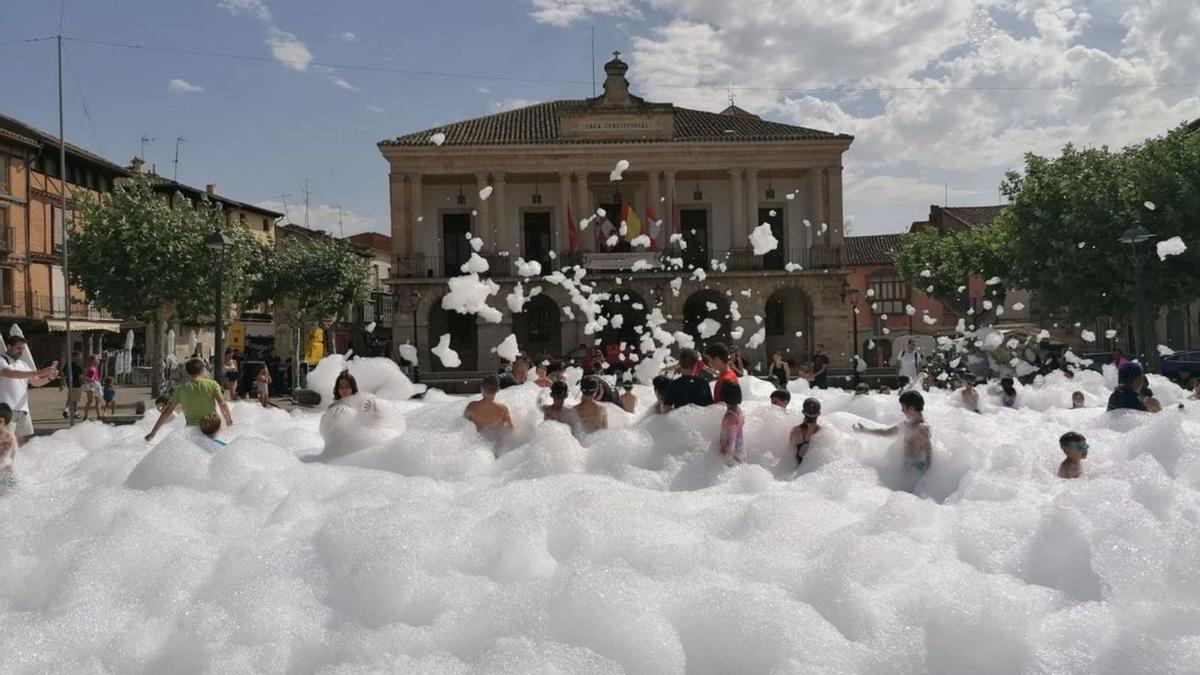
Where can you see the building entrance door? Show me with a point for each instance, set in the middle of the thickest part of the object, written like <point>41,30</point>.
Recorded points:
<point>694,225</point>
<point>456,248</point>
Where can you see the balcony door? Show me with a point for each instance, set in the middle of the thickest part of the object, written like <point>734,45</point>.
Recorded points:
<point>694,225</point>
<point>773,260</point>
<point>456,248</point>
<point>537,243</point>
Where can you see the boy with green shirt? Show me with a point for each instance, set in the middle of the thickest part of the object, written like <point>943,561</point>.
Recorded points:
<point>199,396</point>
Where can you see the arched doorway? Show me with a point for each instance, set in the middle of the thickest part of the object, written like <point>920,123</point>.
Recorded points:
<point>625,312</point>
<point>789,311</point>
<point>464,336</point>
<point>707,304</point>
<point>538,328</point>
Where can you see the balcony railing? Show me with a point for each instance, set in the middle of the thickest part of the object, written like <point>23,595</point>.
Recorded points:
<point>6,238</point>
<point>728,261</point>
<point>55,307</point>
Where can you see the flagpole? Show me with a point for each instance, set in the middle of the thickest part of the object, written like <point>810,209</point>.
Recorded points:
<point>66,236</point>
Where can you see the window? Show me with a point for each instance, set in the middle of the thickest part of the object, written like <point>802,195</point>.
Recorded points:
<point>266,225</point>
<point>5,239</point>
<point>6,287</point>
<point>891,293</point>
<point>57,225</point>
<point>5,186</point>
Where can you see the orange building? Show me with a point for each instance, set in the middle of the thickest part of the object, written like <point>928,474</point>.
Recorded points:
<point>33,290</point>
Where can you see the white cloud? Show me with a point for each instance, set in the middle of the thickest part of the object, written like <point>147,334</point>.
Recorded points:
<point>563,12</point>
<point>178,86</point>
<point>255,8</point>
<point>931,89</point>
<point>348,37</point>
<point>512,104</point>
<point>375,109</point>
<point>288,49</point>
<point>325,217</point>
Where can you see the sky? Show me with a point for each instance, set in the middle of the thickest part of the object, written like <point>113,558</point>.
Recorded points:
<point>943,96</point>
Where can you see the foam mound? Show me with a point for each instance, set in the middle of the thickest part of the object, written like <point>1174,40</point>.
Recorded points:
<point>635,551</point>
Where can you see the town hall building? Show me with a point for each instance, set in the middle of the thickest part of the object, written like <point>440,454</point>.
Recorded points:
<point>696,186</point>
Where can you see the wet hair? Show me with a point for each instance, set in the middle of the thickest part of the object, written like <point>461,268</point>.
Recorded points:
<point>346,377</point>
<point>589,385</point>
<point>194,367</point>
<point>1006,384</point>
<point>862,388</point>
<point>627,385</point>
<point>731,393</point>
<point>1076,394</point>
<point>811,408</point>
<point>912,399</point>
<point>1129,373</point>
<point>660,383</point>
<point>490,384</point>
<point>1146,392</point>
<point>781,395</point>
<point>688,359</point>
<point>559,390</point>
<point>210,424</point>
<point>520,363</point>
<point>1070,438</point>
<point>6,413</point>
<point>717,350</point>
<point>16,340</point>
<point>109,381</point>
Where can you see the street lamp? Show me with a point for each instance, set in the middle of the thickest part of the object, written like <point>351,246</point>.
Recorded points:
<point>850,294</point>
<point>218,242</point>
<point>1134,237</point>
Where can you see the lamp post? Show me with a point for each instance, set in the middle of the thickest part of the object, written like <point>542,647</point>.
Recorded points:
<point>1134,237</point>
<point>850,295</point>
<point>218,242</point>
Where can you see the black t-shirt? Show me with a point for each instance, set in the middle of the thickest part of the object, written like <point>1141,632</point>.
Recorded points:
<point>1123,397</point>
<point>688,390</point>
<point>76,375</point>
<point>818,360</point>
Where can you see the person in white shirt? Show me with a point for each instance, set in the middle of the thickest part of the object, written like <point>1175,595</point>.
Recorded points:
<point>15,379</point>
<point>910,361</point>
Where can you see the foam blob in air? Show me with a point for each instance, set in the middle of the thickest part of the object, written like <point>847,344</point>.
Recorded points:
<point>763,240</point>
<point>1170,247</point>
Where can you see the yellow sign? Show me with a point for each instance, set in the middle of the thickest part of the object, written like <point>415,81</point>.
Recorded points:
<point>237,336</point>
<point>315,350</point>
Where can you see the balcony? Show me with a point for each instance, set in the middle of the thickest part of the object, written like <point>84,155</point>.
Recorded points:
<point>649,262</point>
<point>6,239</point>
<point>55,307</point>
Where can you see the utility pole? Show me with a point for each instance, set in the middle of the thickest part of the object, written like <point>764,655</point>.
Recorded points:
<point>341,230</point>
<point>62,192</point>
<point>593,61</point>
<point>283,198</point>
<point>145,140</point>
<point>178,140</point>
<point>307,193</point>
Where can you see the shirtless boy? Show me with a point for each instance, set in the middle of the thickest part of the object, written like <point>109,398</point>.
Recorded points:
<point>556,411</point>
<point>918,443</point>
<point>592,415</point>
<point>491,419</point>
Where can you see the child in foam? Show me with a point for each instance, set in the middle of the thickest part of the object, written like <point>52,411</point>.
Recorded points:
<point>733,449</point>
<point>557,410</point>
<point>591,412</point>
<point>1077,400</point>
<point>802,435</point>
<point>1075,447</point>
<point>628,400</point>
<point>198,397</point>
<point>8,451</point>
<point>918,441</point>
<point>491,418</point>
<point>780,398</point>
<point>210,426</point>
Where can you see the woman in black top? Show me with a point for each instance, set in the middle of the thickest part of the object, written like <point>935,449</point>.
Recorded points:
<point>780,371</point>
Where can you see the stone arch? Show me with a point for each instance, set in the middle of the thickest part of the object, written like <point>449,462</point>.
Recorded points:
<point>704,304</point>
<point>464,336</point>
<point>633,310</point>
<point>788,311</point>
<point>538,328</point>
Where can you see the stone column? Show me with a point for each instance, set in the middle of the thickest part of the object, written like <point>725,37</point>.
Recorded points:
<point>669,205</point>
<point>656,206</point>
<point>400,224</point>
<point>833,198</point>
<point>587,238</point>
<point>816,203</point>
<point>416,226</point>
<point>737,212</point>
<point>751,204</point>
<point>564,213</point>
<point>483,223</point>
<point>507,235</point>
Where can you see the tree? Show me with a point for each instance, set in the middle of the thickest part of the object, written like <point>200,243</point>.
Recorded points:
<point>138,257</point>
<point>1068,213</point>
<point>311,282</point>
<point>941,265</point>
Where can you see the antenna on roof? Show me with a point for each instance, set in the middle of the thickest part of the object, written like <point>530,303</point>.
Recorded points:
<point>731,97</point>
<point>178,140</point>
<point>946,197</point>
<point>341,230</point>
<point>145,140</point>
<point>283,198</point>
<point>307,193</point>
<point>593,61</point>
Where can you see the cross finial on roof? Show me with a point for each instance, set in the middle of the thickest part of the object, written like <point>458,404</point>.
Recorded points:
<point>616,54</point>
<point>731,97</point>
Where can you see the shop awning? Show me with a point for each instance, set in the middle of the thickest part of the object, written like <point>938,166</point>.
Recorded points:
<point>80,325</point>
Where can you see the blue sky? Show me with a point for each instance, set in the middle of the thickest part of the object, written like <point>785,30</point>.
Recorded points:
<point>259,128</point>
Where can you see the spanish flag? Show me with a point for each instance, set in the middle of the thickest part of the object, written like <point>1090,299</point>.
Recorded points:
<point>633,226</point>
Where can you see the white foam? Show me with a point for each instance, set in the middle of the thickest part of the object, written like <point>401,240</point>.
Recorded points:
<point>636,551</point>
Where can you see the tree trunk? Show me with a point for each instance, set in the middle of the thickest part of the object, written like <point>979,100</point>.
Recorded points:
<point>154,355</point>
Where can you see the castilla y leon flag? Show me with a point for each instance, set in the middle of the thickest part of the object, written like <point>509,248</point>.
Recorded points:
<point>633,226</point>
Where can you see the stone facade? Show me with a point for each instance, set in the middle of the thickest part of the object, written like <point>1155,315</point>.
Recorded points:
<point>708,177</point>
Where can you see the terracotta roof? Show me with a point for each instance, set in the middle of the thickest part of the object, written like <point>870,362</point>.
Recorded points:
<point>973,216</point>
<point>166,184</point>
<point>42,138</point>
<point>13,136</point>
<point>874,249</point>
<point>538,124</point>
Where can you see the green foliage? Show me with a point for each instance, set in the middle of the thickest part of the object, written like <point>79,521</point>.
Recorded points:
<point>1068,213</point>
<point>311,281</point>
<point>134,254</point>
<point>951,260</point>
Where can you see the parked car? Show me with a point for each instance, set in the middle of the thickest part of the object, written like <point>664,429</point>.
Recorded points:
<point>1182,364</point>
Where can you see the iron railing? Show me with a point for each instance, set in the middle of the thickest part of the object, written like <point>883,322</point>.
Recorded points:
<point>55,306</point>
<point>728,261</point>
<point>6,238</point>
